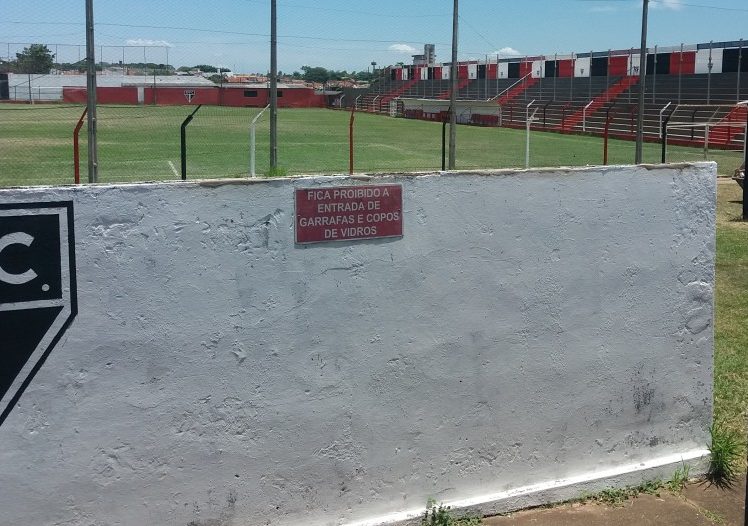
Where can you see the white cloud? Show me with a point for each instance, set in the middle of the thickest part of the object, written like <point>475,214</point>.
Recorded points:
<point>604,9</point>
<point>507,52</point>
<point>405,49</point>
<point>674,5</point>
<point>147,42</point>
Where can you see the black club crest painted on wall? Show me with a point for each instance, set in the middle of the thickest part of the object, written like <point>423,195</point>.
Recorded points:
<point>38,294</point>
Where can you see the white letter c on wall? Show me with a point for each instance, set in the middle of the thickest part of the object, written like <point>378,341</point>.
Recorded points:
<point>16,238</point>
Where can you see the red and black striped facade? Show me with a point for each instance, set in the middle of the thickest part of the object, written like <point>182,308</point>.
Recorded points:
<point>712,57</point>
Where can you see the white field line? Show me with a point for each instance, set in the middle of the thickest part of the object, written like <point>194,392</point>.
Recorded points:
<point>173,169</point>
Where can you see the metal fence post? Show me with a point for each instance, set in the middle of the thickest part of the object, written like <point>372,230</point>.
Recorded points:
<point>253,141</point>
<point>709,76</point>
<point>350,135</point>
<point>680,71</point>
<point>444,140</point>
<point>654,76</point>
<point>528,120</point>
<point>76,148</point>
<point>661,112</point>
<point>183,141</point>
<point>584,115</point>
<point>740,60</point>
<point>663,133</point>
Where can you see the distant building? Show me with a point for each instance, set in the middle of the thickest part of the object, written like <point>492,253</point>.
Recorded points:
<point>428,58</point>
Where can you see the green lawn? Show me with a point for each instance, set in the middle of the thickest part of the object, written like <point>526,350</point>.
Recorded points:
<point>139,143</point>
<point>142,143</point>
<point>731,302</point>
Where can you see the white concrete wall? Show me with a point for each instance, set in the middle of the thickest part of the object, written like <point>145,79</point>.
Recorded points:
<point>633,65</point>
<point>533,333</point>
<point>464,108</point>
<point>582,67</point>
<point>22,93</point>
<point>538,69</point>
<point>702,60</point>
<point>503,70</point>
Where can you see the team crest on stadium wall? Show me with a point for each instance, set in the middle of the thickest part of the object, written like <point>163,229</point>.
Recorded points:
<point>38,295</point>
<point>189,94</point>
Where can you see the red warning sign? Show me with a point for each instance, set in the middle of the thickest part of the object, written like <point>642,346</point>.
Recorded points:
<point>343,213</point>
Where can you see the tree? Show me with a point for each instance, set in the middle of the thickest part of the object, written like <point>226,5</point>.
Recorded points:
<point>36,58</point>
<point>364,76</point>
<point>315,74</point>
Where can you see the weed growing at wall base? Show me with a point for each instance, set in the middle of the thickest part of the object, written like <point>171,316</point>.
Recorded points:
<point>724,449</point>
<point>441,516</point>
<point>617,496</point>
<point>679,479</point>
<point>278,171</point>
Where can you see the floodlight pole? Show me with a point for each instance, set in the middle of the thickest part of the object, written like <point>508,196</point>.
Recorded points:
<point>93,164</point>
<point>642,78</point>
<point>273,87</point>
<point>453,90</point>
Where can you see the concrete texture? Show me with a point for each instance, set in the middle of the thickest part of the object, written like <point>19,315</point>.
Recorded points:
<point>533,334</point>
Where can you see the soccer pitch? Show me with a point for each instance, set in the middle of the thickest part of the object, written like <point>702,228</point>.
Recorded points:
<point>141,143</point>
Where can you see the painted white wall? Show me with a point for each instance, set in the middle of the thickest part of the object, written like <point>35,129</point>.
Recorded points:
<point>529,327</point>
<point>702,60</point>
<point>465,108</point>
<point>633,65</point>
<point>20,92</point>
<point>503,70</point>
<point>472,71</point>
<point>538,69</point>
<point>446,70</point>
<point>582,67</point>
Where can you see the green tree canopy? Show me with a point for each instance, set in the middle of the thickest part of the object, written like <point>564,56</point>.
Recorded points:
<point>36,58</point>
<point>315,74</point>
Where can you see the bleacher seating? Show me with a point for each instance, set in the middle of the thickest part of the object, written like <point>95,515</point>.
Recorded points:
<point>561,103</point>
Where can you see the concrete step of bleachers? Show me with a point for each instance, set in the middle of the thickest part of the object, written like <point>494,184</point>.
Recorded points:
<point>609,95</point>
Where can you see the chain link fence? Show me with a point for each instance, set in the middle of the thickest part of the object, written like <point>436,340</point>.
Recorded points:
<point>142,143</point>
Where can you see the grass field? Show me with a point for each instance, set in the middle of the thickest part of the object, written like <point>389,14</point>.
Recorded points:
<point>142,143</point>
<point>731,303</point>
<point>139,143</point>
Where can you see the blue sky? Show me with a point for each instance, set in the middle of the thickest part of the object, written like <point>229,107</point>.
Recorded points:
<point>351,34</point>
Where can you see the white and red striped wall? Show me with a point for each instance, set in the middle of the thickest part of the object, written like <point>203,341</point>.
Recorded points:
<point>720,57</point>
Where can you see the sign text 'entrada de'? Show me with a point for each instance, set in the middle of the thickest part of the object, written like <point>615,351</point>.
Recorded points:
<point>341,213</point>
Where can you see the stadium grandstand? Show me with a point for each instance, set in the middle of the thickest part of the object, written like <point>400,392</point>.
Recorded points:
<point>696,87</point>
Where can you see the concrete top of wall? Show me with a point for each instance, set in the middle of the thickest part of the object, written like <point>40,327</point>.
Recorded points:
<point>656,169</point>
